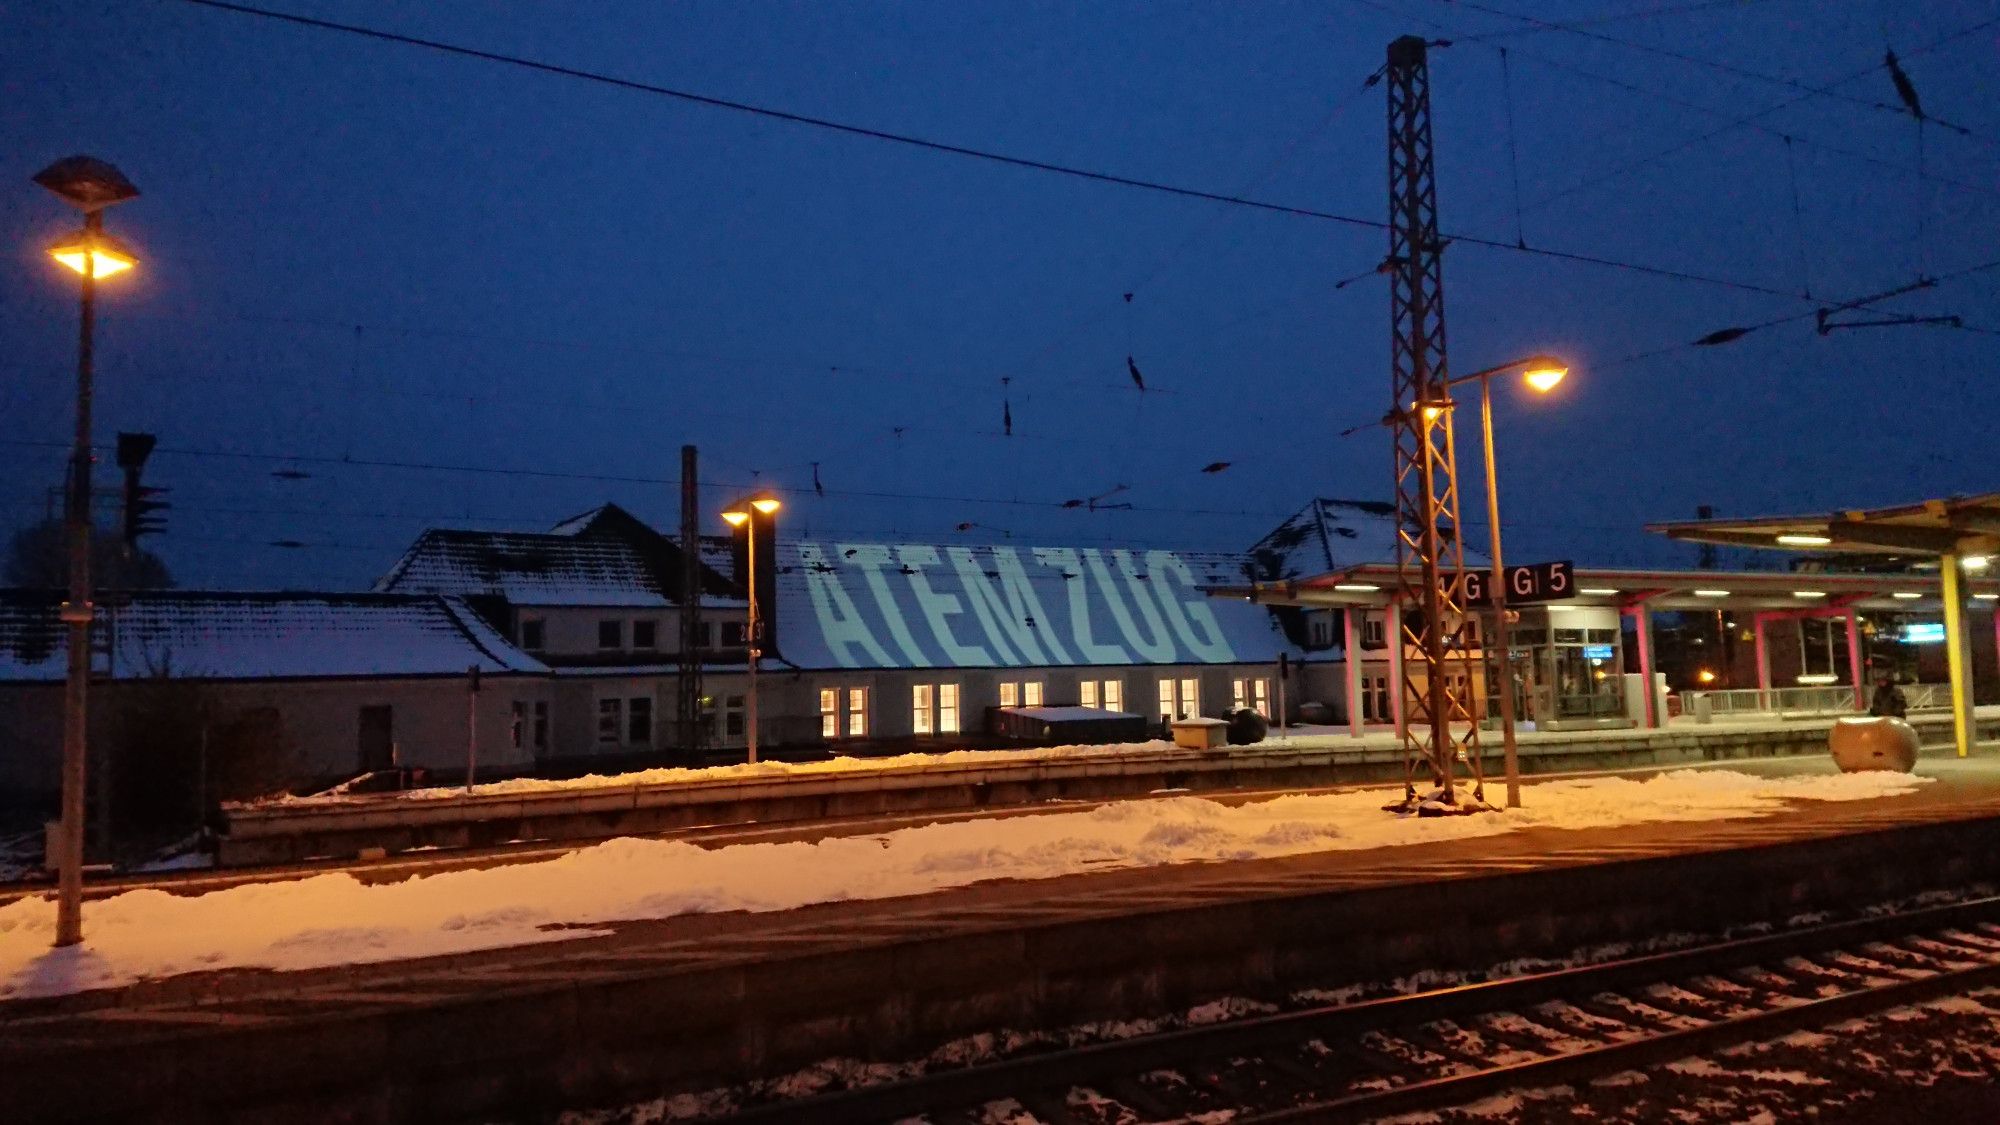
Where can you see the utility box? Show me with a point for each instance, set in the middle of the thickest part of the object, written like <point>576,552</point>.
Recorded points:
<point>1200,734</point>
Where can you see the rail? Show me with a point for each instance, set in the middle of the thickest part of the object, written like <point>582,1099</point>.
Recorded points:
<point>1402,1054</point>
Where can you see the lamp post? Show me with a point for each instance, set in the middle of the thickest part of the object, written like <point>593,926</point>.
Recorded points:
<point>1541,373</point>
<point>744,514</point>
<point>90,185</point>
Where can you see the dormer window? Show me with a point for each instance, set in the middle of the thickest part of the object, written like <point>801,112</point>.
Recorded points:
<point>532,634</point>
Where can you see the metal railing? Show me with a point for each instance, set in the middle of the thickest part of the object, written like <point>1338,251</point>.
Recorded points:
<point>1823,699</point>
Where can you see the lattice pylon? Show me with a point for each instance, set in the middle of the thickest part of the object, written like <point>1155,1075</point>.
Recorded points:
<point>1438,680</point>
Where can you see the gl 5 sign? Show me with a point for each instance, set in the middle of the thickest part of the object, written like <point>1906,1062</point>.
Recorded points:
<point>1536,582</point>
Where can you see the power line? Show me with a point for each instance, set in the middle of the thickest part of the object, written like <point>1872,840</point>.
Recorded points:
<point>958,149</point>
<point>1596,21</point>
<point>1747,119</point>
<point>1720,67</point>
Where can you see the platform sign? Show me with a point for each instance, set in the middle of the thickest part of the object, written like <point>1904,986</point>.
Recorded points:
<point>1535,582</point>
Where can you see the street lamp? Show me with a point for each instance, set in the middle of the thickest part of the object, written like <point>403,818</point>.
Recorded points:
<point>1541,373</point>
<point>90,185</point>
<point>744,514</point>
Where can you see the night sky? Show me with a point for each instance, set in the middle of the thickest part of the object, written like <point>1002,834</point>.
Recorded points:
<point>365,251</point>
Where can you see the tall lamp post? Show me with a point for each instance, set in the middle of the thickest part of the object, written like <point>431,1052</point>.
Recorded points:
<point>744,514</point>
<point>90,185</point>
<point>1541,373</point>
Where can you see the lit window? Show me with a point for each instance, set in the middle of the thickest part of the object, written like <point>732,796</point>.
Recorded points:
<point>1010,694</point>
<point>1190,698</point>
<point>1114,695</point>
<point>1087,693</point>
<point>1239,695</point>
<point>857,712</point>
<point>1031,693</point>
<point>1260,696</point>
<point>531,634</point>
<point>610,634</point>
<point>639,720</point>
<point>947,709</point>
<point>645,634</point>
<point>829,713</point>
<point>1167,699</point>
<point>920,709</point>
<point>610,716</point>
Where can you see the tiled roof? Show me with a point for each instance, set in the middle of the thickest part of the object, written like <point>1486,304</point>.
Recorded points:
<point>846,604</point>
<point>1326,535</point>
<point>229,635</point>
<point>603,557</point>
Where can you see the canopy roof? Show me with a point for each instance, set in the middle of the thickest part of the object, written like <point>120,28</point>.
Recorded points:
<point>1962,525</point>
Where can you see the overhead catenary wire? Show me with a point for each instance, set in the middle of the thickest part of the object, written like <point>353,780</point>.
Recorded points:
<point>961,150</point>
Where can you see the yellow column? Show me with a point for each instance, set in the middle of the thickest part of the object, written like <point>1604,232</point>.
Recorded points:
<point>1958,657</point>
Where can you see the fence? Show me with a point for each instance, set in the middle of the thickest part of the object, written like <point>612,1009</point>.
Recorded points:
<point>1826,699</point>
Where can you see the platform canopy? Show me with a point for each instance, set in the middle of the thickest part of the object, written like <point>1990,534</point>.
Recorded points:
<point>1958,525</point>
<point>1962,532</point>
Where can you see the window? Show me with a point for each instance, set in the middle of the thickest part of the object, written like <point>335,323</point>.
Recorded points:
<point>732,716</point>
<point>639,720</point>
<point>1180,699</point>
<point>610,634</point>
<point>1322,629</point>
<point>1031,693</point>
<point>1251,695</point>
<point>1028,694</point>
<point>1114,695</point>
<point>1010,694</point>
<point>947,708</point>
<point>532,634</point>
<point>1371,633</point>
<point>829,712</point>
<point>645,634</point>
<point>517,721</point>
<point>934,708</point>
<point>857,712</point>
<point>1087,691</point>
<point>541,726</point>
<point>610,716</point>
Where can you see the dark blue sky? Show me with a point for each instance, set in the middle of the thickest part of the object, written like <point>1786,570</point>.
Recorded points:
<point>555,275</point>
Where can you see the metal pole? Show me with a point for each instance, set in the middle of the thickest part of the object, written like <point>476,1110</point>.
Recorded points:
<point>76,614</point>
<point>1504,660</point>
<point>1281,703</point>
<point>471,725</point>
<point>755,649</point>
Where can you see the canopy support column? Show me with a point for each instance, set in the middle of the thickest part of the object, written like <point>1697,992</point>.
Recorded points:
<point>1763,664</point>
<point>1854,659</point>
<point>1352,645</point>
<point>1643,622</point>
<point>1958,655</point>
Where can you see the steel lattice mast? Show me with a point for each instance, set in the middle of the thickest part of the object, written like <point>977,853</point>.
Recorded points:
<point>687,699</point>
<point>1437,687</point>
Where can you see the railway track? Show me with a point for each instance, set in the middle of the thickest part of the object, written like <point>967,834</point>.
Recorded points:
<point>1428,1050</point>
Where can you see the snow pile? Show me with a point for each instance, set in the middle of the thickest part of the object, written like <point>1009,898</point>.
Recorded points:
<point>333,919</point>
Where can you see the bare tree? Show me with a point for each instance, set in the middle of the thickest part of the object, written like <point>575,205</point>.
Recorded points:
<point>38,557</point>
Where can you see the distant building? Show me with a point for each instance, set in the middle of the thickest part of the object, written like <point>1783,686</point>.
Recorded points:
<point>315,687</point>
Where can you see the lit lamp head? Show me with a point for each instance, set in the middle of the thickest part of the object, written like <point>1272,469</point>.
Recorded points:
<point>738,514</point>
<point>1543,372</point>
<point>90,185</point>
<point>103,254</point>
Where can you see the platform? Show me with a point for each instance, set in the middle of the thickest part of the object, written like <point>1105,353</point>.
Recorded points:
<point>705,998</point>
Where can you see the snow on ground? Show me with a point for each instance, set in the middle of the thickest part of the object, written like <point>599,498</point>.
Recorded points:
<point>334,919</point>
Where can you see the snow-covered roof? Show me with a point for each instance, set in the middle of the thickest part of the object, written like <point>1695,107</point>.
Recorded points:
<point>844,604</point>
<point>603,557</point>
<point>247,636</point>
<point>1326,535</point>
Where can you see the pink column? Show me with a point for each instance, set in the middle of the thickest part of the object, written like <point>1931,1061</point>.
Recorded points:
<point>1763,664</point>
<point>1352,647</point>
<point>1392,632</point>
<point>1644,623</point>
<point>1854,659</point>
